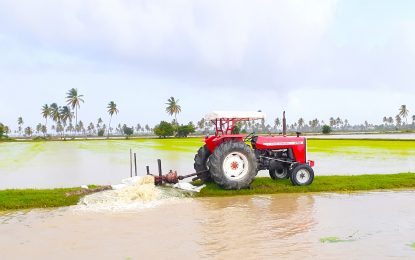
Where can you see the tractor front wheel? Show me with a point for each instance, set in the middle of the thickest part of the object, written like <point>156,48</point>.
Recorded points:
<point>302,175</point>
<point>201,163</point>
<point>233,165</point>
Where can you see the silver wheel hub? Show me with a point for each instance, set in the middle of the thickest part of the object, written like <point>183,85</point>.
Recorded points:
<point>235,166</point>
<point>302,176</point>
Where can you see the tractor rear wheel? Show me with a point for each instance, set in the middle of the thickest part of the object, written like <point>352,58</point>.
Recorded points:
<point>278,174</point>
<point>233,165</point>
<point>302,175</point>
<point>201,163</point>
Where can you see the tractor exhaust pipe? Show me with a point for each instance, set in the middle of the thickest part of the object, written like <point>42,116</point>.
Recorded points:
<point>284,124</point>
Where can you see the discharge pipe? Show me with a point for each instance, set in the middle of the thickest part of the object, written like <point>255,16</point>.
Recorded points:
<point>284,124</point>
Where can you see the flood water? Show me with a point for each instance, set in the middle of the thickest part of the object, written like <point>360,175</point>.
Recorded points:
<point>148,222</point>
<point>378,225</point>
<point>70,164</point>
<point>102,162</point>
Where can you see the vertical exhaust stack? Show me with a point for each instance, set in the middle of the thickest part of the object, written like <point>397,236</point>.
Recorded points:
<point>284,124</point>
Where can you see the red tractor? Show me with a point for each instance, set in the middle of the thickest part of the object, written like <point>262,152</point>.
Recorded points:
<point>228,160</point>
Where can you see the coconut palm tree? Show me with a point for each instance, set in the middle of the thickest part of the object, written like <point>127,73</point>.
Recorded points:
<point>112,109</point>
<point>398,120</point>
<point>173,108</point>
<point>385,120</point>
<point>38,128</point>
<point>277,123</point>
<point>91,128</point>
<point>339,121</point>
<point>332,121</point>
<point>28,131</point>
<point>59,127</point>
<point>403,112</point>
<point>346,123</point>
<point>65,116</point>
<point>54,114</point>
<point>314,123</point>
<point>99,122</point>
<point>7,129</point>
<point>390,120</point>
<point>20,124</point>
<point>138,127</point>
<point>74,100</point>
<point>300,123</point>
<point>46,111</point>
<point>44,130</point>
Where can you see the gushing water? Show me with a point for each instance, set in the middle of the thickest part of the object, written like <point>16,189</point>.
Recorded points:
<point>132,194</point>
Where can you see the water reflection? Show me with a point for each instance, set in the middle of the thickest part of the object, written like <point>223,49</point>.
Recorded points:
<point>254,226</point>
<point>282,226</point>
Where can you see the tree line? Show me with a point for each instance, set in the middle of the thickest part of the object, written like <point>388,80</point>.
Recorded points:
<point>65,123</point>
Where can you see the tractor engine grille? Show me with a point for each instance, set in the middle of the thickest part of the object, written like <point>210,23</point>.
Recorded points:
<point>274,159</point>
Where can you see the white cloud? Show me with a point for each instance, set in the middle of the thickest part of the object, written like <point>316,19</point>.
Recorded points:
<point>263,54</point>
<point>221,35</point>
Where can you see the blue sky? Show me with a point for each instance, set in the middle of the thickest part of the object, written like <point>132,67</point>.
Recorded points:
<point>353,59</point>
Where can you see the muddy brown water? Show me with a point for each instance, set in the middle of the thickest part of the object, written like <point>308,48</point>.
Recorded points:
<point>377,225</point>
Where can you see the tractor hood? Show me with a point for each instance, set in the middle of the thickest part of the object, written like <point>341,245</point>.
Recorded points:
<point>277,142</point>
<point>298,145</point>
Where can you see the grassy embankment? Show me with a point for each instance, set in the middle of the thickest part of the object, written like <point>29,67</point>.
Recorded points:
<point>321,184</point>
<point>48,198</point>
<point>34,198</point>
<point>43,198</point>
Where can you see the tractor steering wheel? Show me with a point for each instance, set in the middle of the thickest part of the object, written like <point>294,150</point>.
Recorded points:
<point>249,137</point>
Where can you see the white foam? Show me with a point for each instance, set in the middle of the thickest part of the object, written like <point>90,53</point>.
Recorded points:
<point>134,193</point>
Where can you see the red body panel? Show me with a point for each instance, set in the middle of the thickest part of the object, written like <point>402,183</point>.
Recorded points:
<point>298,145</point>
<point>213,141</point>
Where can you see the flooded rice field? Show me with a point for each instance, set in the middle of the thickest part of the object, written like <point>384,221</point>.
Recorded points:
<point>69,164</point>
<point>141,221</point>
<point>397,136</point>
<point>375,225</point>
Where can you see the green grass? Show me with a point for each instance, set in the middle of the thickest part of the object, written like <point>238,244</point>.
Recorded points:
<point>264,185</point>
<point>50,198</point>
<point>174,144</point>
<point>412,245</point>
<point>190,145</point>
<point>36,198</point>
<point>353,146</point>
<point>332,240</point>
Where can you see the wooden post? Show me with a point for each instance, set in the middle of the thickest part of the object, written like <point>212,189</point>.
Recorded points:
<point>135,164</point>
<point>159,166</point>
<point>131,163</point>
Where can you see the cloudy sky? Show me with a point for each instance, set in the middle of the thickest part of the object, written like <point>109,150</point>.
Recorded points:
<point>348,58</point>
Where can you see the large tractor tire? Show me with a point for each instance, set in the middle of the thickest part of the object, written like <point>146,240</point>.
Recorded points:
<point>302,175</point>
<point>278,174</point>
<point>200,165</point>
<point>233,165</point>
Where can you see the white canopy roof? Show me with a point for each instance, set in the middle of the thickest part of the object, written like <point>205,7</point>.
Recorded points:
<point>250,115</point>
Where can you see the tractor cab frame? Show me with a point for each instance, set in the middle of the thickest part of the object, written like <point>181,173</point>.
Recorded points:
<point>225,122</point>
